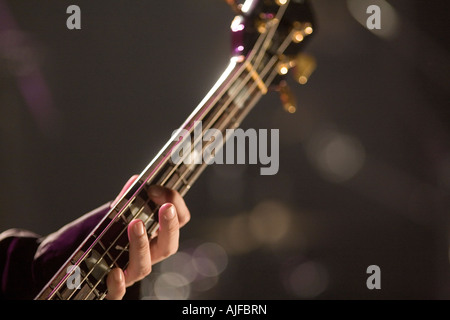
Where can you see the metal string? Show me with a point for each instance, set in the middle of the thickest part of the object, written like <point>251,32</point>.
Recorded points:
<point>196,169</point>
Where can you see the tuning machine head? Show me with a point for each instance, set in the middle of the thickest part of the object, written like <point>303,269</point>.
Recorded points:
<point>287,97</point>
<point>303,66</point>
<point>300,31</point>
<point>284,64</point>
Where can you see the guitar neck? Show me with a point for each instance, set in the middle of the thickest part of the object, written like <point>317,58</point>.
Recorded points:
<point>265,38</point>
<point>224,107</point>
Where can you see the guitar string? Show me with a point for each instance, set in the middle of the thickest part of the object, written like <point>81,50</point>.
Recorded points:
<point>120,212</point>
<point>203,165</point>
<point>175,186</point>
<point>102,257</point>
<point>267,38</point>
<point>194,172</point>
<point>182,177</point>
<point>57,287</point>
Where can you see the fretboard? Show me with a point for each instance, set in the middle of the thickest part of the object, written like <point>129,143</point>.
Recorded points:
<point>225,106</point>
<point>269,27</point>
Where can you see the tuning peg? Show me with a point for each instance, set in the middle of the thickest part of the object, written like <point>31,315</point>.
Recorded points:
<point>301,30</point>
<point>234,6</point>
<point>287,97</point>
<point>284,64</point>
<point>304,66</point>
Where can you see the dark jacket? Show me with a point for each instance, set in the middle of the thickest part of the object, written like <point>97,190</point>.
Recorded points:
<point>28,261</point>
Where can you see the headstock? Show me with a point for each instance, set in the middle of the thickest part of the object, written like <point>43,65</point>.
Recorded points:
<point>272,34</point>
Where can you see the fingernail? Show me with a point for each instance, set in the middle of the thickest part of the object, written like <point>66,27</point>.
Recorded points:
<point>155,191</point>
<point>118,276</point>
<point>139,229</point>
<point>169,211</point>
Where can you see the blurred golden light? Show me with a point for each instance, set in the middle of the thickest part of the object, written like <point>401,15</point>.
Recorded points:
<point>269,222</point>
<point>238,238</point>
<point>291,109</point>
<point>302,80</point>
<point>298,36</point>
<point>262,28</point>
<point>304,67</point>
<point>308,30</point>
<point>283,70</point>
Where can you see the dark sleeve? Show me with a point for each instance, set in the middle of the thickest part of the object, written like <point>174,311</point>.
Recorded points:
<point>28,261</point>
<point>17,248</point>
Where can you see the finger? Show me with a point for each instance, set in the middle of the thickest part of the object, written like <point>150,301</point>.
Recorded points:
<point>166,244</point>
<point>139,253</point>
<point>161,195</point>
<point>116,284</point>
<point>124,189</point>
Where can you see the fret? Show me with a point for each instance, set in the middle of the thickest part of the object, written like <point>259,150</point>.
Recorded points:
<point>97,288</point>
<point>178,176</point>
<point>56,284</point>
<point>92,282</point>
<point>76,256</point>
<point>140,209</point>
<point>60,286</point>
<point>237,92</point>
<point>194,176</point>
<point>161,177</point>
<point>107,255</point>
<point>68,294</point>
<point>64,293</point>
<point>214,96</point>
<point>186,176</point>
<point>115,236</point>
<point>216,121</point>
<point>202,111</point>
<point>85,293</point>
<point>98,262</point>
<point>58,296</point>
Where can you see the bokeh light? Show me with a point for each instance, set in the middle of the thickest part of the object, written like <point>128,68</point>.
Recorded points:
<point>337,156</point>
<point>307,280</point>
<point>269,222</point>
<point>190,271</point>
<point>171,286</point>
<point>389,17</point>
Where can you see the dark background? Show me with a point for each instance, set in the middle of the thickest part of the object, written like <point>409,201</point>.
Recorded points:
<point>364,164</point>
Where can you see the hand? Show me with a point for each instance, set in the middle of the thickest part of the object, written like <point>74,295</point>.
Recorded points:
<point>144,252</point>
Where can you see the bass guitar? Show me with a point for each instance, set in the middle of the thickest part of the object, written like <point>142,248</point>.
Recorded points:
<point>267,37</point>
